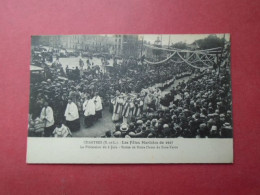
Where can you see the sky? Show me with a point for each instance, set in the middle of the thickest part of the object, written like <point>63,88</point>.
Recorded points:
<point>188,38</point>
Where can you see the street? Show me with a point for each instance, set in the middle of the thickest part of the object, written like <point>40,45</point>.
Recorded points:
<point>105,123</point>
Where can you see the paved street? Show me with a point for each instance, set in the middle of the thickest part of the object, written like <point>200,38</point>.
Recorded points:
<point>99,128</point>
<point>102,125</point>
<point>73,62</point>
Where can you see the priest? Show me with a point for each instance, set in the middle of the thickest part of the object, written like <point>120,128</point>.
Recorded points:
<point>72,116</point>
<point>48,119</point>
<point>98,106</point>
<point>117,106</point>
<point>89,111</point>
<point>127,110</point>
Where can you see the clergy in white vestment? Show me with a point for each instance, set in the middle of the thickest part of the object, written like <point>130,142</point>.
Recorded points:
<point>89,111</point>
<point>128,106</point>
<point>138,106</point>
<point>98,106</point>
<point>62,131</point>
<point>147,101</point>
<point>72,116</point>
<point>117,106</point>
<point>48,119</point>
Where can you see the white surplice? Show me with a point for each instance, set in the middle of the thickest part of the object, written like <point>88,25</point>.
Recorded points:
<point>47,114</point>
<point>71,112</point>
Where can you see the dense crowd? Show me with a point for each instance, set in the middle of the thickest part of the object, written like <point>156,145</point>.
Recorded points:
<point>201,107</point>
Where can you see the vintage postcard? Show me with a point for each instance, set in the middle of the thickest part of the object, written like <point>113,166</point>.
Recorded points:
<point>130,99</point>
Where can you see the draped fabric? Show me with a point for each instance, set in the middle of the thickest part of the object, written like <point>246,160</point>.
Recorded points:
<point>206,53</point>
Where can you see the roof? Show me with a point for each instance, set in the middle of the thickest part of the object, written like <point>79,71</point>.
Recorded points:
<point>34,68</point>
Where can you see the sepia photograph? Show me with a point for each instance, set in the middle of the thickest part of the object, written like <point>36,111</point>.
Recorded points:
<point>130,86</point>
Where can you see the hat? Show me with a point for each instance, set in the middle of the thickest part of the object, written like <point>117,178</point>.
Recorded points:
<point>154,121</point>
<point>148,122</point>
<point>124,127</point>
<point>165,126</point>
<point>227,125</point>
<point>150,135</point>
<point>131,134</point>
<point>139,122</point>
<point>202,126</point>
<point>117,134</point>
<point>174,116</point>
<point>211,121</point>
<point>221,115</point>
<point>214,128</point>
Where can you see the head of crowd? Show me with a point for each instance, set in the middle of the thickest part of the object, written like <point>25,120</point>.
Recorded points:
<point>197,107</point>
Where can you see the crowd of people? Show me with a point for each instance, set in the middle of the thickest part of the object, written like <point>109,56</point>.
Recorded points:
<point>200,107</point>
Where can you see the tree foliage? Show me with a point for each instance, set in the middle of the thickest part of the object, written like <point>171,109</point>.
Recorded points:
<point>212,41</point>
<point>179,45</point>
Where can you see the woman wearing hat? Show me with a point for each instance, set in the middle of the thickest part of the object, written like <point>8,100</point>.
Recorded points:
<point>124,129</point>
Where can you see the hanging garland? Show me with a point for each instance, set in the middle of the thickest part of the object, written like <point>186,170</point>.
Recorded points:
<point>188,62</point>
<point>155,63</point>
<point>205,53</point>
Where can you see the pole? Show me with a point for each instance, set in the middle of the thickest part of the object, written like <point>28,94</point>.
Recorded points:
<point>221,55</point>
<point>142,46</point>
<point>169,42</point>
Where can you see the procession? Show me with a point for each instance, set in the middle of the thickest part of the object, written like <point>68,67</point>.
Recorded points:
<point>129,91</point>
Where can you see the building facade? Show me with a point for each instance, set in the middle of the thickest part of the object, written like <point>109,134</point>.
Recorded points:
<point>126,45</point>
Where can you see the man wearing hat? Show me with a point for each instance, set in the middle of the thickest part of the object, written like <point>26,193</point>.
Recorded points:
<point>117,134</point>
<point>124,129</point>
<point>226,131</point>
<point>213,132</point>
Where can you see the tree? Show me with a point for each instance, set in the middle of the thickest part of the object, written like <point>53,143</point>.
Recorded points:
<point>179,45</point>
<point>212,41</point>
